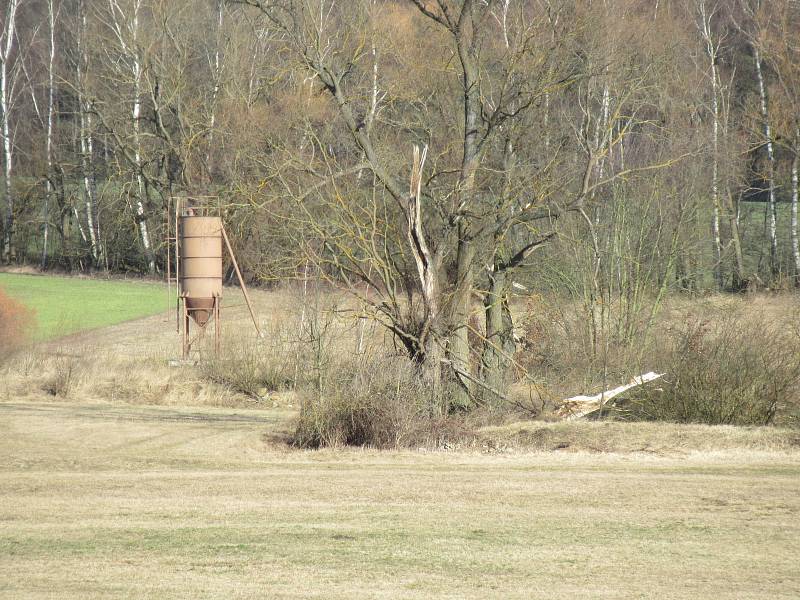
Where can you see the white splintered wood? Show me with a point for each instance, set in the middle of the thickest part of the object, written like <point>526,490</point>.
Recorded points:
<point>579,406</point>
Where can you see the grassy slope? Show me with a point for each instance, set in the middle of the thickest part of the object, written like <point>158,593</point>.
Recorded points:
<point>120,501</point>
<point>64,305</point>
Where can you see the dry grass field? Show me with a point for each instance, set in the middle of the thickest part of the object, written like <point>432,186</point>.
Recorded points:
<point>123,477</point>
<point>122,501</point>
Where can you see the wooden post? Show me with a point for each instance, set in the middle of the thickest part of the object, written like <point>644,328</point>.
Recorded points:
<point>167,219</point>
<point>178,206</point>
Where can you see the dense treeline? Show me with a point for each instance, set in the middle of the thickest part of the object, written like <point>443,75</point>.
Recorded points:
<point>426,154</point>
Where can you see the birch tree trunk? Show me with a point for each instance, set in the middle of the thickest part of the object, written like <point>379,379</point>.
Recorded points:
<point>712,50</point>
<point>715,231</point>
<point>217,67</point>
<point>772,226</point>
<point>87,144</point>
<point>375,95</point>
<point>51,20</point>
<point>137,141</point>
<point>6,49</point>
<point>458,349</point>
<point>89,186</point>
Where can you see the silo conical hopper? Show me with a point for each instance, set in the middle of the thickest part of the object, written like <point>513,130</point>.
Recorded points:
<point>201,265</point>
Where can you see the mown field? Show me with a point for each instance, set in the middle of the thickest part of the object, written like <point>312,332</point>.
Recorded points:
<point>110,501</point>
<point>65,305</point>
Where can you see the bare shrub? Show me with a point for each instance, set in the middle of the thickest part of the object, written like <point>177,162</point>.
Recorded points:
<point>16,325</point>
<point>557,355</point>
<point>253,368</point>
<point>728,371</point>
<point>727,359</point>
<point>61,376</point>
<point>382,403</point>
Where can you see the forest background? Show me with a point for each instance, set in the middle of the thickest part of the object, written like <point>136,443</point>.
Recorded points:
<point>441,160</point>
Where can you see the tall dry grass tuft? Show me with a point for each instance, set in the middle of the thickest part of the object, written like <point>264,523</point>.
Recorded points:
<point>382,403</point>
<point>254,367</point>
<point>62,375</point>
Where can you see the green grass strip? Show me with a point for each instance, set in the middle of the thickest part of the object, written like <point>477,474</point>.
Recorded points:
<point>64,305</point>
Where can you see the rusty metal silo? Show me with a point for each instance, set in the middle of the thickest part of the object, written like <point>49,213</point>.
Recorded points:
<point>198,250</point>
<point>199,273</point>
<point>201,265</point>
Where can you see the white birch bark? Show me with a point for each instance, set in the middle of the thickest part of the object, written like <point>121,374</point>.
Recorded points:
<point>254,79</point>
<point>87,144</point>
<point>215,92</point>
<point>6,48</point>
<point>51,21</point>
<point>89,188</point>
<point>772,226</point>
<point>712,50</point>
<point>375,95</point>
<point>137,140</point>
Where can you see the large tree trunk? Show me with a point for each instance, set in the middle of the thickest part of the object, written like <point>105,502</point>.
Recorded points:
<point>458,348</point>
<point>499,346</point>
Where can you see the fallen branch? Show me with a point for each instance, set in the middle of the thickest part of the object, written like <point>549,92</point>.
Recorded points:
<point>580,406</point>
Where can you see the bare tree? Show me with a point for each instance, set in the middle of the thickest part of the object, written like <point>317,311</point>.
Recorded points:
<point>124,22</point>
<point>751,30</point>
<point>713,43</point>
<point>52,17</point>
<point>216,70</point>
<point>778,25</point>
<point>483,201</point>
<point>86,136</point>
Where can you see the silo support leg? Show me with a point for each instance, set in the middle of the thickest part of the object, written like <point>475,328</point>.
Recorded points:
<point>217,320</point>
<point>185,330</point>
<point>241,281</point>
